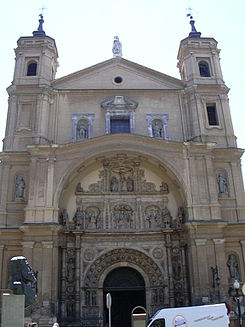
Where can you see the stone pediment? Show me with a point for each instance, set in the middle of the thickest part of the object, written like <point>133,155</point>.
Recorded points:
<point>118,73</point>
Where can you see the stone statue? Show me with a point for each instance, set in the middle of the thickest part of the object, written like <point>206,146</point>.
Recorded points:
<point>167,218</point>
<point>79,188</point>
<point>164,188</point>
<point>64,219</point>
<point>82,132</point>
<point>233,267</point>
<point>79,217</point>
<point>114,184</point>
<point>22,279</point>
<point>222,184</point>
<point>20,187</point>
<point>157,130</point>
<point>130,184</point>
<point>117,47</point>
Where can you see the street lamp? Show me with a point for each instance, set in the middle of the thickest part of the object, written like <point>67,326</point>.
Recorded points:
<point>236,286</point>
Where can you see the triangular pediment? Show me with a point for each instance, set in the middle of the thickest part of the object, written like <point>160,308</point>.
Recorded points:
<point>118,73</point>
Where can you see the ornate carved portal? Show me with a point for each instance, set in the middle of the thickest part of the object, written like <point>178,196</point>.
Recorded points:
<point>121,220</point>
<point>85,271</point>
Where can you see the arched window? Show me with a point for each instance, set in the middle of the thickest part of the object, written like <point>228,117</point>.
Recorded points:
<point>32,69</point>
<point>204,69</point>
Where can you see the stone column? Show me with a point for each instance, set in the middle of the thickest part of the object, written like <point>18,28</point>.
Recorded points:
<point>219,246</point>
<point>77,277</point>
<point>213,198</point>
<point>1,266</point>
<point>202,267</point>
<point>47,270</point>
<point>28,251</point>
<point>170,271</point>
<point>63,284</point>
<point>5,169</point>
<point>242,242</point>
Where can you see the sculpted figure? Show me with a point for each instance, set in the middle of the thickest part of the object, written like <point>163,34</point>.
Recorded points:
<point>117,47</point>
<point>114,184</point>
<point>64,219</point>
<point>79,188</point>
<point>130,184</point>
<point>22,279</point>
<point>233,267</point>
<point>164,188</point>
<point>20,187</point>
<point>222,184</point>
<point>79,217</point>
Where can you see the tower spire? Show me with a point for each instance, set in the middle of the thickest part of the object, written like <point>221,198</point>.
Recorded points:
<point>193,32</point>
<point>40,31</point>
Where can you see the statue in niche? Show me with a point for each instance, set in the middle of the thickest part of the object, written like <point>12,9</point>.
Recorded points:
<point>153,217</point>
<point>233,267</point>
<point>123,182</point>
<point>82,132</point>
<point>70,270</point>
<point>92,215</point>
<point>122,216</point>
<point>114,184</point>
<point>94,298</point>
<point>87,298</point>
<point>180,217</point>
<point>176,268</point>
<point>79,217</point>
<point>222,185</point>
<point>79,188</point>
<point>157,129</point>
<point>164,188</point>
<point>20,186</point>
<point>64,219</point>
<point>167,218</point>
<point>130,184</point>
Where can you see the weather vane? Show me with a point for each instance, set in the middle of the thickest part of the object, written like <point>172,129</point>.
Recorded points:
<point>193,32</point>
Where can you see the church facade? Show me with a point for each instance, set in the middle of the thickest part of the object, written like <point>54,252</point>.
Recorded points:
<point>120,179</point>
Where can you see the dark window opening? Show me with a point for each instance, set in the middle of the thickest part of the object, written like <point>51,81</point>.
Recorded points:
<point>120,125</point>
<point>204,69</point>
<point>32,69</point>
<point>118,79</point>
<point>212,115</point>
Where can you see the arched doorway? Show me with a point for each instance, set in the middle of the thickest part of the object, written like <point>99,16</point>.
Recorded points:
<point>127,289</point>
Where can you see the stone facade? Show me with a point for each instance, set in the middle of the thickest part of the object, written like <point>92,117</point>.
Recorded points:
<point>120,170</point>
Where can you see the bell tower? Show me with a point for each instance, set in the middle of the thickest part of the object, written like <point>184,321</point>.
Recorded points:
<point>30,95</point>
<point>207,108</point>
<point>36,58</point>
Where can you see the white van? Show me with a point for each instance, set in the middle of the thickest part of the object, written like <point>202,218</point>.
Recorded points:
<point>199,316</point>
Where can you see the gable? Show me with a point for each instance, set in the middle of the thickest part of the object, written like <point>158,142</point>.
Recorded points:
<point>118,73</point>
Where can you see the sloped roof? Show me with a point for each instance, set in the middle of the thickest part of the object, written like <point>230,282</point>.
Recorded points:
<point>102,76</point>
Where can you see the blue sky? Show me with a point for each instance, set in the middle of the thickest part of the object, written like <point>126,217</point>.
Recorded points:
<point>149,30</point>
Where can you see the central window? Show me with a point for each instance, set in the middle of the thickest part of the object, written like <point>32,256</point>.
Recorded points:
<point>119,125</point>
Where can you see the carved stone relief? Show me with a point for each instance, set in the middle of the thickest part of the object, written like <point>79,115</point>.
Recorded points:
<point>122,216</point>
<point>124,255</point>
